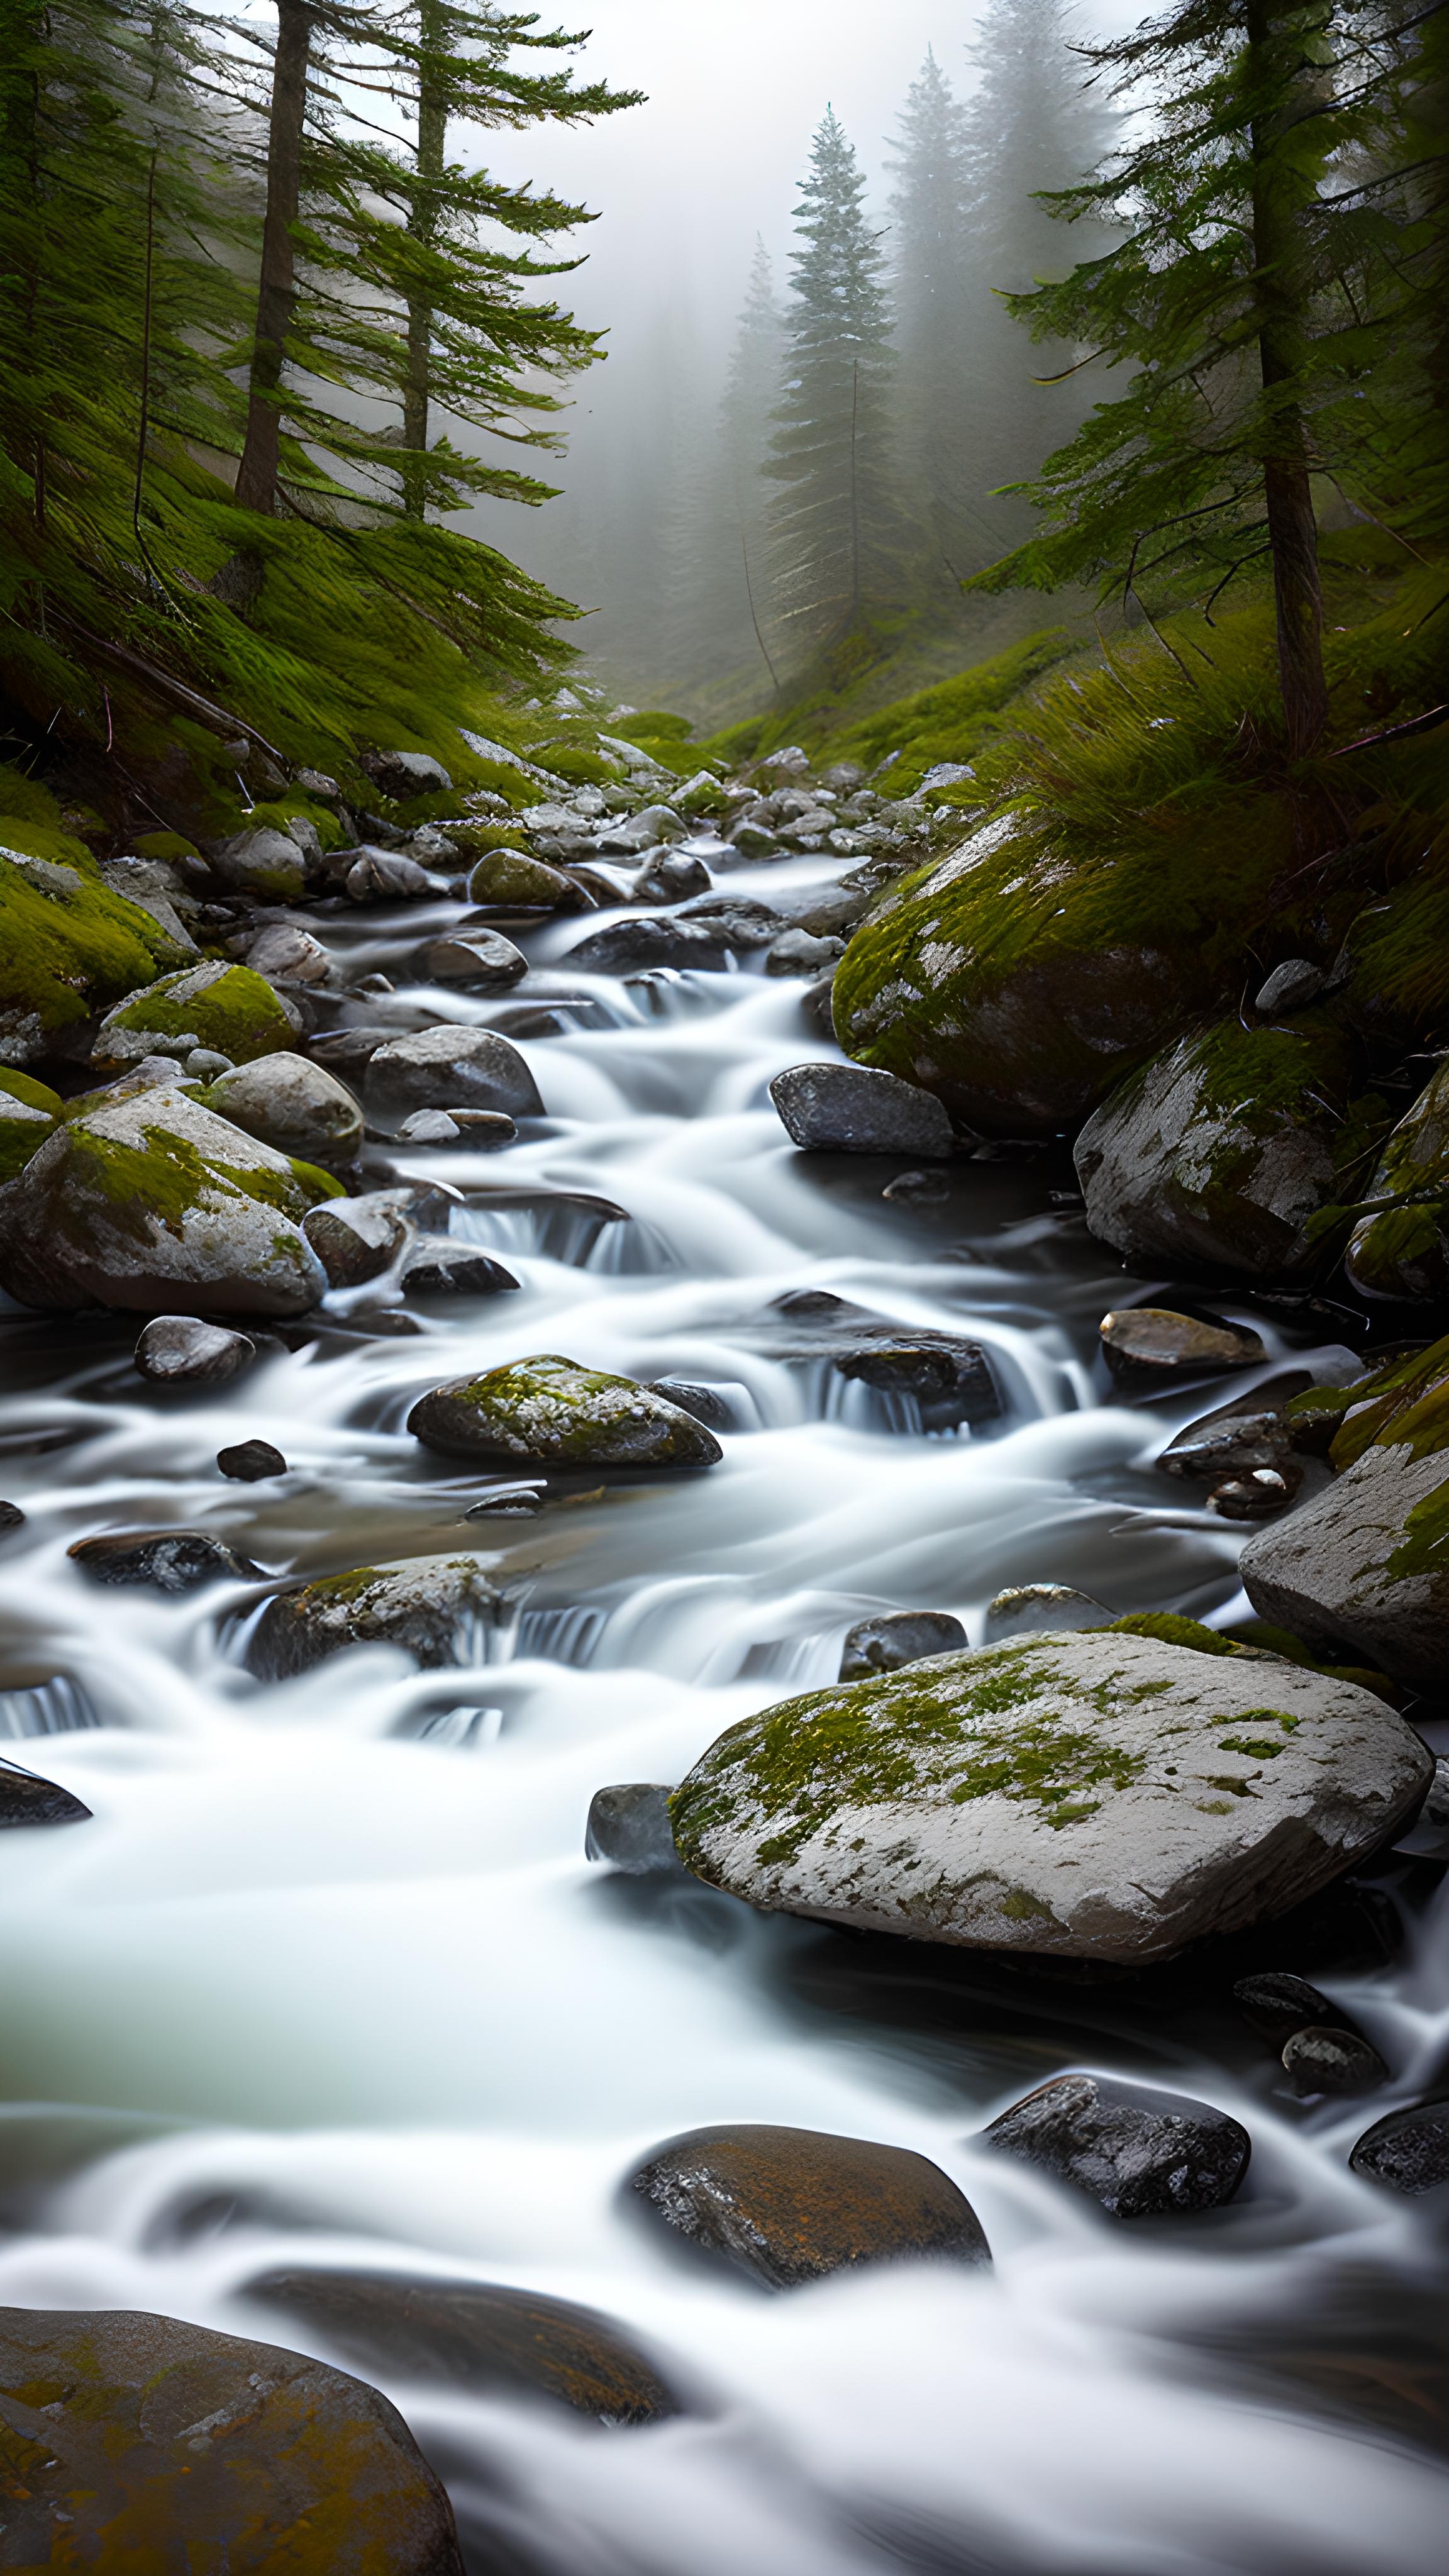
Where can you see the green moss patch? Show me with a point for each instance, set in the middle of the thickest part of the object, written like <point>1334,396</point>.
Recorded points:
<point>230,1009</point>
<point>68,945</point>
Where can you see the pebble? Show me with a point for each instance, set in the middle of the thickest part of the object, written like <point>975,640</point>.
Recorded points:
<point>1140,2152</point>
<point>179,1350</point>
<point>1156,1338</point>
<point>486,1127</point>
<point>792,2205</point>
<point>891,1638</point>
<point>1277,2004</point>
<point>1290,986</point>
<point>1322,2060</point>
<point>629,1826</point>
<point>249,1461</point>
<point>1254,1496</point>
<point>1408,2151</point>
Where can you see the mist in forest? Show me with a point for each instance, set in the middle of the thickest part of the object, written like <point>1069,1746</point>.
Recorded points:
<point>707,535</point>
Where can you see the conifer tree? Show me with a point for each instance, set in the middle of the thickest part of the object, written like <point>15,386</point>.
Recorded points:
<point>752,390</point>
<point>933,259</point>
<point>835,528</point>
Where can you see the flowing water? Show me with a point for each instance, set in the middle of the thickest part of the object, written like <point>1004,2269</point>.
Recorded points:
<point>329,1981</point>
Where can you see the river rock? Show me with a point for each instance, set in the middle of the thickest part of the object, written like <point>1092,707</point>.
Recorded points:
<point>1140,2152</point>
<point>251,1462</point>
<point>71,947</point>
<point>430,1606</point>
<point>11,1518</point>
<point>228,1008</point>
<point>1222,1150</point>
<point>139,2443</point>
<point>510,881</point>
<point>1402,1249</point>
<point>29,1112</point>
<point>26,1799</point>
<point>448,1068</point>
<point>1030,1609</point>
<point>469,2335</point>
<point>386,876</point>
<point>1322,2059</point>
<point>286,954</point>
<point>167,1560</point>
<point>552,1411</point>
<point>294,1105</point>
<point>848,1109</point>
<point>949,1381</point>
<point>622,947</point>
<point>792,2205</point>
<point>153,885</point>
<point>1101,1797</point>
<point>1290,987</point>
<point>891,1638</point>
<point>917,1189</point>
<point>479,957</point>
<point>440,1265</point>
<point>1156,1339</point>
<point>800,952</point>
<point>629,1825</point>
<point>263,862</point>
<point>1257,1494</point>
<point>401,774</point>
<point>1277,2005</point>
<point>482,1128</point>
<point>737,919</point>
<point>635,833</point>
<point>670,876</point>
<point>357,1239</point>
<point>158,1204</point>
<point>179,1350</point>
<point>1408,2151</point>
<point>1229,1444</point>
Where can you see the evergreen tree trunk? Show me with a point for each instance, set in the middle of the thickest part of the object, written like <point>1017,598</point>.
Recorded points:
<point>256,482</point>
<point>422,224</point>
<point>1292,531</point>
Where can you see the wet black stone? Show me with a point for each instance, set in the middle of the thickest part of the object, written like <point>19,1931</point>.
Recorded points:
<point>894,1637</point>
<point>445,1268</point>
<point>1277,2005</point>
<point>1229,1445</point>
<point>251,1460</point>
<point>629,1825</point>
<point>950,1380</point>
<point>649,941</point>
<point>168,1560</point>
<point>704,1403</point>
<point>1408,2152</point>
<point>1141,2153</point>
<point>26,1799</point>
<point>1319,2060</point>
<point>11,1518</point>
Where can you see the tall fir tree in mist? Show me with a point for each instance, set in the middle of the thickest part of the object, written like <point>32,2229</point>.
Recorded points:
<point>752,391</point>
<point>835,534</point>
<point>932,262</point>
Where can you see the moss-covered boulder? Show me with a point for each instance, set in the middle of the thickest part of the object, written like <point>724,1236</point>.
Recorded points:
<point>68,947</point>
<point>1221,1150</point>
<point>29,1112</point>
<point>555,1413</point>
<point>1400,1246</point>
<point>156,1205</point>
<point>431,1606</point>
<point>1088,1795</point>
<point>225,1008</point>
<point>1365,1565</point>
<point>136,2443</point>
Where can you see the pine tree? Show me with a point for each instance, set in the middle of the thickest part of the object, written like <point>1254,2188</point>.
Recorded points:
<point>738,573</point>
<point>835,528</point>
<point>1273,328</point>
<point>933,261</point>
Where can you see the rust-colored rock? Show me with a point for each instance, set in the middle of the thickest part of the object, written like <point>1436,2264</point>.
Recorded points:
<point>790,2205</point>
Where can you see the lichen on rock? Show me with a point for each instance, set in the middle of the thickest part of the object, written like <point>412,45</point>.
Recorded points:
<point>552,1410</point>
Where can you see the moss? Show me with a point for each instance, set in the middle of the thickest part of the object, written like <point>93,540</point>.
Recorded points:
<point>236,1012</point>
<point>552,1406</point>
<point>29,1112</point>
<point>1423,1550</point>
<point>68,945</point>
<point>279,811</point>
<point>165,845</point>
<point>1170,1629</point>
<point>162,1179</point>
<point>1374,1408</point>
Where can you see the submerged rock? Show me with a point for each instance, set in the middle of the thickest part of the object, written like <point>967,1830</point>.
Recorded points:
<point>1224,1148</point>
<point>553,1411</point>
<point>179,1350</point>
<point>225,1008</point>
<point>1401,1250</point>
<point>1140,2152</point>
<point>849,1109</point>
<point>157,1204</point>
<point>29,1112</point>
<point>250,1462</point>
<point>1032,1609</point>
<point>297,1106</point>
<point>629,1825</point>
<point>472,2336</point>
<point>448,1068</point>
<point>142,2443</point>
<point>892,1638</point>
<point>26,1799</point>
<point>1277,2005</point>
<point>1328,2060</point>
<point>430,1606</point>
<point>792,2205</point>
<point>1408,2151</point>
<point>1080,1796</point>
<point>1156,1339</point>
<point>167,1560</point>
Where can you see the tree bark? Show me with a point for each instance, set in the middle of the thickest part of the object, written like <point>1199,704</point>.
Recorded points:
<point>256,482</point>
<point>422,224</point>
<point>1280,188</point>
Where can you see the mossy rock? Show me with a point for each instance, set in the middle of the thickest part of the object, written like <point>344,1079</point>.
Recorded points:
<point>68,944</point>
<point>1400,1246</point>
<point>141,2445</point>
<point>429,1606</point>
<point>552,1411</point>
<point>227,1008</point>
<point>154,1205</point>
<point>511,881</point>
<point>1096,1795</point>
<point>29,1112</point>
<point>1223,1150</point>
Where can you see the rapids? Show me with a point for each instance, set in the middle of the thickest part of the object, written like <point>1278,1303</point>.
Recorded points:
<point>328,1979</point>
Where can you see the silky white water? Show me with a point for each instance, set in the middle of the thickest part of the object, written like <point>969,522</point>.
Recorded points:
<point>328,1980</point>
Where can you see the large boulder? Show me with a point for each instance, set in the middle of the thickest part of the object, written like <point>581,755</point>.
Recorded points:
<point>851,1109</point>
<point>29,1112</point>
<point>551,1411</point>
<point>1400,1246</point>
<point>791,2205</point>
<point>448,1068</point>
<point>1366,1563</point>
<point>293,1104</point>
<point>69,946</point>
<point>226,1009</point>
<point>157,1205</point>
<point>135,2442</point>
<point>1222,1150</point>
<point>1095,1796</point>
<point>430,1606</point>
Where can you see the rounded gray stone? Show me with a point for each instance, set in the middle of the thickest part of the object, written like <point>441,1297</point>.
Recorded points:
<point>856,1109</point>
<point>448,1068</point>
